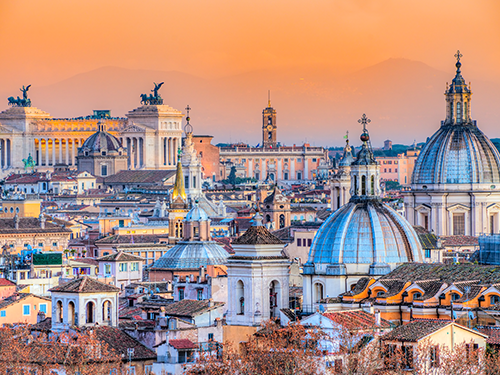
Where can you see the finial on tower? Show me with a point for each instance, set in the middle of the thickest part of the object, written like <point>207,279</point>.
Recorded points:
<point>458,55</point>
<point>268,98</point>
<point>363,121</point>
<point>188,128</point>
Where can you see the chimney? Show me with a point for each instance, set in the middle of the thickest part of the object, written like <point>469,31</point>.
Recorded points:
<point>210,302</point>
<point>40,316</point>
<point>377,318</point>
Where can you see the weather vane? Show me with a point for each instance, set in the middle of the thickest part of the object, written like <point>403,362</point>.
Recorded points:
<point>188,128</point>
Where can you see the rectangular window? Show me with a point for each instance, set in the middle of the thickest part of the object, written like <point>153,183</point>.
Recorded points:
<point>427,253</point>
<point>186,182</point>
<point>134,266</point>
<point>3,313</point>
<point>107,269</point>
<point>390,170</point>
<point>314,160</point>
<point>299,160</point>
<point>148,369</point>
<point>54,244</point>
<point>26,310</point>
<point>181,294</point>
<point>434,356</point>
<point>123,267</point>
<point>458,224</point>
<point>199,293</point>
<point>43,308</point>
<point>121,223</point>
<point>104,170</point>
<point>395,170</point>
<point>299,242</point>
<point>309,242</point>
<point>210,337</point>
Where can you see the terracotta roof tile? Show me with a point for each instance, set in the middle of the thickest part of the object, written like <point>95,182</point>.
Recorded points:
<point>257,235</point>
<point>5,282</point>
<point>189,307</point>
<point>84,285</point>
<point>29,225</point>
<point>415,330</point>
<point>182,344</point>
<point>460,241</point>
<point>120,257</point>
<point>356,319</point>
<point>140,177</point>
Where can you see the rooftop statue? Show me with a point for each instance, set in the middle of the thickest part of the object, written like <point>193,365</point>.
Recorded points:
<point>21,102</point>
<point>29,162</point>
<point>153,99</point>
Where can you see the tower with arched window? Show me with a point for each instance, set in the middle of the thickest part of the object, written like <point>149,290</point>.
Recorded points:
<point>84,302</point>
<point>258,277</point>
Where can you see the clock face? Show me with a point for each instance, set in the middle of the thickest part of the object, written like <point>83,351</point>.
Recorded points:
<point>269,127</point>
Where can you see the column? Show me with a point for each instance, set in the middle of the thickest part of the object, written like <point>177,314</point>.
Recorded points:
<point>141,152</point>
<point>164,150</point>
<point>1,152</point>
<point>73,151</point>
<point>279,175</point>
<point>53,151</point>
<point>169,151</point>
<point>66,150</point>
<point>60,160</point>
<point>306,169</point>
<point>46,152</point>
<point>129,153</point>
<point>136,152</point>
<point>174,151</point>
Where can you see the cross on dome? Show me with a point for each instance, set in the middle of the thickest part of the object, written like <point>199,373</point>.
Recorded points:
<point>458,55</point>
<point>363,121</point>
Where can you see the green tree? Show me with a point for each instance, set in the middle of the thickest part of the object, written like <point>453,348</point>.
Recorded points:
<point>232,176</point>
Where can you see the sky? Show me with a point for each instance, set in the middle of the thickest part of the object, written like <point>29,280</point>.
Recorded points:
<point>44,42</point>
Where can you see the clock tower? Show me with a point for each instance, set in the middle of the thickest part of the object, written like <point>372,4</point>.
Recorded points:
<point>269,126</point>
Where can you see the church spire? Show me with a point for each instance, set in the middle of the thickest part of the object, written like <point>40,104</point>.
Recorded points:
<point>458,96</point>
<point>179,190</point>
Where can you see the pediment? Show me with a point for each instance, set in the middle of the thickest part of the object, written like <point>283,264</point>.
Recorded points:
<point>458,207</point>
<point>134,128</point>
<point>423,208</point>
<point>5,129</point>
<point>493,207</point>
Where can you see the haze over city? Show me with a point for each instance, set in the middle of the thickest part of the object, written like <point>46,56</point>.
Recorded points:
<point>325,62</point>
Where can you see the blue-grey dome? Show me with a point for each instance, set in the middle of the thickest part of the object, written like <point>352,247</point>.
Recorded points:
<point>192,255</point>
<point>363,232</point>
<point>347,157</point>
<point>458,154</point>
<point>196,214</point>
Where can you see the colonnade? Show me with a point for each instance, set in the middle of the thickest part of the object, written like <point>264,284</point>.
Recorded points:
<point>52,151</point>
<point>168,147</point>
<point>135,150</point>
<point>5,153</point>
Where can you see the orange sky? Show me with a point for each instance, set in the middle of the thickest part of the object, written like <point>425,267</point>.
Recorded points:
<point>46,41</point>
<point>43,42</point>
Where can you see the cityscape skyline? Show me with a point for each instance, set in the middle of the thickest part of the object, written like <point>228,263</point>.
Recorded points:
<point>321,63</point>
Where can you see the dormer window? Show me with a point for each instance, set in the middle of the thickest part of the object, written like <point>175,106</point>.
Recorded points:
<point>86,153</point>
<point>103,153</point>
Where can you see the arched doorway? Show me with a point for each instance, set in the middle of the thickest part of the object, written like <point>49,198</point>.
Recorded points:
<point>318,292</point>
<point>90,312</point>
<point>274,299</point>
<point>71,313</point>
<point>59,312</point>
<point>107,312</point>
<point>240,296</point>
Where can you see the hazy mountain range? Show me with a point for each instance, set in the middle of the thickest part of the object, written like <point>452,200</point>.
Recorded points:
<point>403,98</point>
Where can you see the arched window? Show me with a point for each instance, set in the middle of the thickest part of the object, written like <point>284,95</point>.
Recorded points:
<point>355,185</point>
<point>363,185</point>
<point>459,112</point>
<point>380,293</point>
<point>372,185</point>
<point>494,299</point>
<point>417,295</point>
<point>282,221</point>
<point>106,311</point>
<point>90,313</point>
<point>466,113</point>
<point>274,298</point>
<point>455,296</point>
<point>59,312</point>
<point>268,218</point>
<point>240,295</point>
<point>451,109</point>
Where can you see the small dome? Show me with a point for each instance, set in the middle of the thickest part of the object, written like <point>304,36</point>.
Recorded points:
<point>197,214</point>
<point>192,255</point>
<point>102,140</point>
<point>458,154</point>
<point>365,231</point>
<point>347,157</point>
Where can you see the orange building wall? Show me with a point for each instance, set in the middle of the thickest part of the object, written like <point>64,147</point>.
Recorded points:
<point>14,312</point>
<point>209,153</point>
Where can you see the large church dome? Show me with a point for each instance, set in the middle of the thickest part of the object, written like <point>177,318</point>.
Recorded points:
<point>365,231</point>
<point>458,153</point>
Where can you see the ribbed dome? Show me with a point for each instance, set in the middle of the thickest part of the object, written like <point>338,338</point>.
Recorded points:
<point>364,231</point>
<point>196,214</point>
<point>102,140</point>
<point>192,255</point>
<point>458,154</point>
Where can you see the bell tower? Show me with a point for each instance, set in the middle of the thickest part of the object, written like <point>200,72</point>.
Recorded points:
<point>458,98</point>
<point>269,125</point>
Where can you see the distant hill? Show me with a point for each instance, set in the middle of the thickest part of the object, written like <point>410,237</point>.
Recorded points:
<point>403,98</point>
